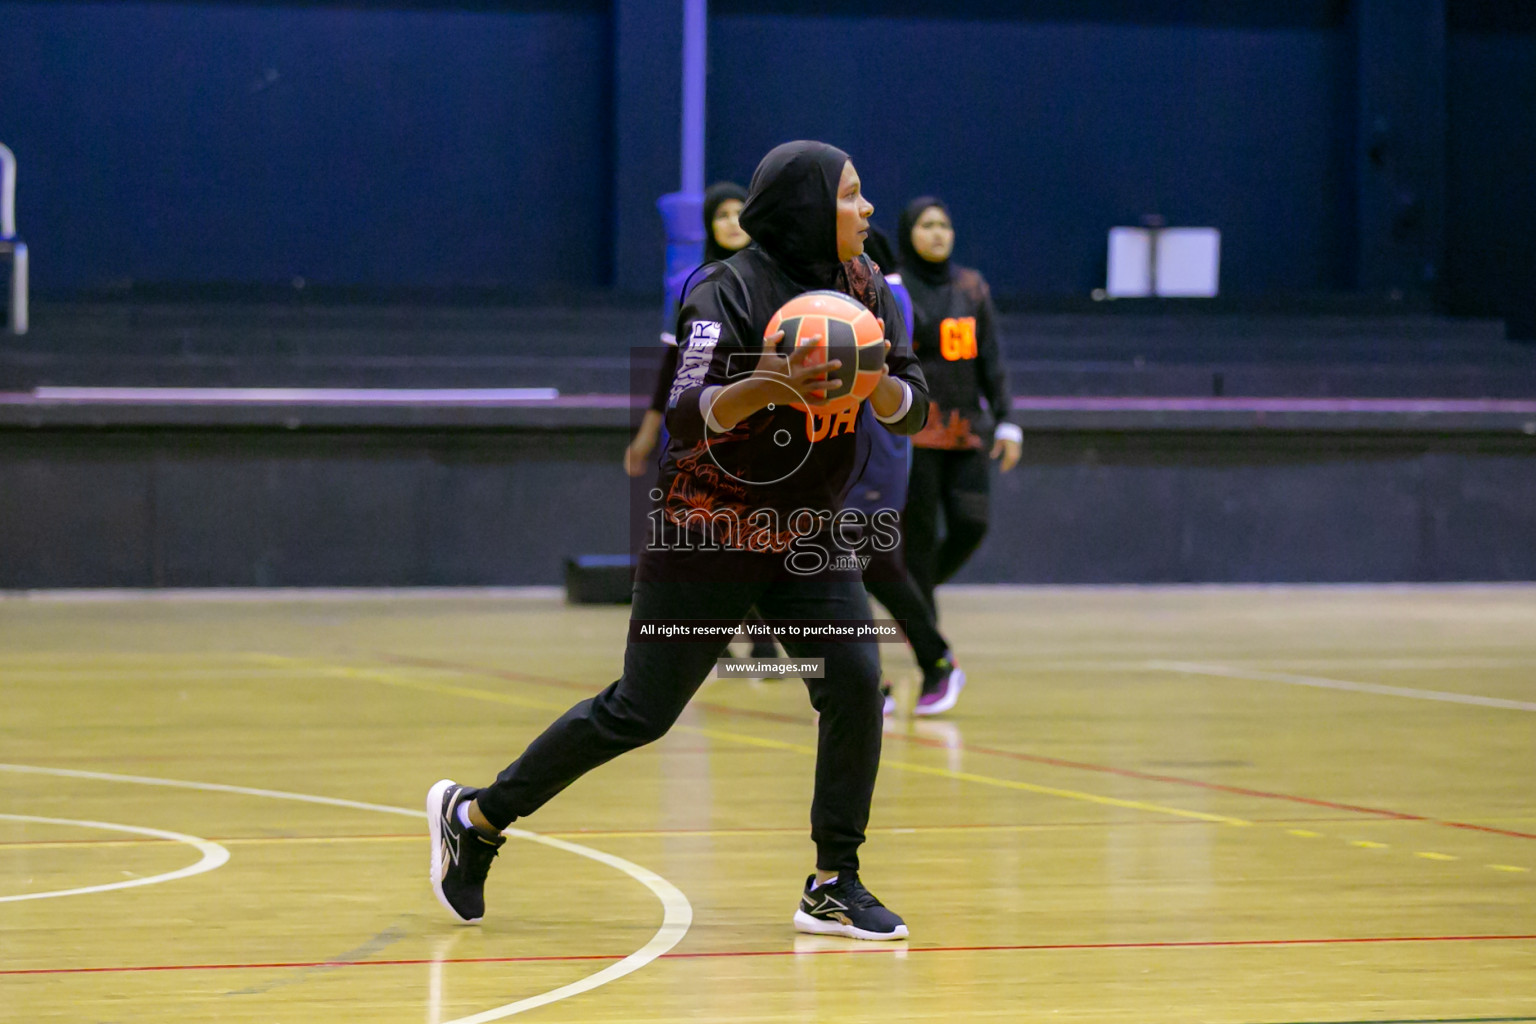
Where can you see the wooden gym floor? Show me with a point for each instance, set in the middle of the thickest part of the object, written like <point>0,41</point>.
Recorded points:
<point>1225,805</point>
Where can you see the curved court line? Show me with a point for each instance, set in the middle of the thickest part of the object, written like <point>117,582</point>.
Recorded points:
<point>214,856</point>
<point>675,922</point>
<point>677,912</point>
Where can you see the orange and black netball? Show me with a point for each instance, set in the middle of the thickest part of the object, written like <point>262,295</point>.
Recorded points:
<point>847,332</point>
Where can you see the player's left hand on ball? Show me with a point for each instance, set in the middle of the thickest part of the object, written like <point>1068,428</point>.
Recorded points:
<point>885,369</point>
<point>886,382</point>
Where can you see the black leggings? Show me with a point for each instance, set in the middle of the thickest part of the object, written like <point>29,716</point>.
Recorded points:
<point>660,678</point>
<point>889,582</point>
<point>956,483</point>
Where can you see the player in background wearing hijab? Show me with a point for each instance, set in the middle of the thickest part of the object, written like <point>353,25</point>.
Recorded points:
<point>742,468</point>
<point>723,236</point>
<point>883,486</point>
<point>954,333</point>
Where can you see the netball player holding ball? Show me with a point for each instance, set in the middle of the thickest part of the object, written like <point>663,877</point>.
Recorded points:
<point>761,447</point>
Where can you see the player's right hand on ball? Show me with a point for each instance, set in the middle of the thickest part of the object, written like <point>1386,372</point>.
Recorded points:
<point>807,380</point>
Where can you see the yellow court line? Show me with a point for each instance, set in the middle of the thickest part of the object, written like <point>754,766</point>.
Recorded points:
<point>702,833</point>
<point>716,833</point>
<point>100,844</point>
<point>395,679</point>
<point>129,672</point>
<point>984,780</point>
<point>798,830</point>
<point>1069,794</point>
<point>70,661</point>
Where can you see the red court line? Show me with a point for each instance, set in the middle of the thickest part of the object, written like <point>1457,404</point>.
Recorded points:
<point>1238,790</point>
<point>1220,787</point>
<point>884,948</point>
<point>1129,773</point>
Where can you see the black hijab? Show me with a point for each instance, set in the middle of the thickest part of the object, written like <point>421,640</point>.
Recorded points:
<point>716,194</point>
<point>913,265</point>
<point>791,212</point>
<point>878,248</point>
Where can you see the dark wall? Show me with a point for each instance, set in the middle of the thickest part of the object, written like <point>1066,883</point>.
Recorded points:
<point>403,507</point>
<point>314,508</point>
<point>511,143</point>
<point>1491,159</point>
<point>1044,134</point>
<point>229,142</point>
<point>1127,507</point>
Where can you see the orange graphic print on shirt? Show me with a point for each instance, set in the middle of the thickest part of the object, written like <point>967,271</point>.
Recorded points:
<point>821,424</point>
<point>704,499</point>
<point>951,431</point>
<point>957,338</point>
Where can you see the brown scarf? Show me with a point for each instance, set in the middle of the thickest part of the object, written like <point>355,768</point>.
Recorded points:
<point>857,278</point>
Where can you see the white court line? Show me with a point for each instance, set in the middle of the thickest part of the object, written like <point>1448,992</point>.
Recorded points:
<point>305,396</point>
<point>1225,671</point>
<point>278,595</point>
<point>214,856</point>
<point>677,912</point>
<point>1362,661</point>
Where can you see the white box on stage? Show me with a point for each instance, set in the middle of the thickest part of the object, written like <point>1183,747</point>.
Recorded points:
<point>1130,263</point>
<point>1167,262</point>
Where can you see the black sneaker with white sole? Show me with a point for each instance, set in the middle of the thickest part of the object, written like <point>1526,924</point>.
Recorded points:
<point>460,856</point>
<point>845,907</point>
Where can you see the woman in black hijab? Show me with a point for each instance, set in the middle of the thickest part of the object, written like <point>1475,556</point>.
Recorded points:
<point>954,333</point>
<point>746,515</point>
<point>722,236</point>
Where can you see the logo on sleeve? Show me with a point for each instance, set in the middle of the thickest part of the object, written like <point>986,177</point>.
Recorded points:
<point>693,363</point>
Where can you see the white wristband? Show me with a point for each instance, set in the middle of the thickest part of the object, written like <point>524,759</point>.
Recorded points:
<point>906,403</point>
<point>1009,432</point>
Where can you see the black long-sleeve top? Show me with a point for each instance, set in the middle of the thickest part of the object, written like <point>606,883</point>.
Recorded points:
<point>781,458</point>
<point>954,333</point>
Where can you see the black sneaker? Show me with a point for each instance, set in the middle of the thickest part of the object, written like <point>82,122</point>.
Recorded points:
<point>845,907</point>
<point>460,856</point>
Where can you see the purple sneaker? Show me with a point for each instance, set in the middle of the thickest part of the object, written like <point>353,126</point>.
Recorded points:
<point>890,700</point>
<point>941,688</point>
